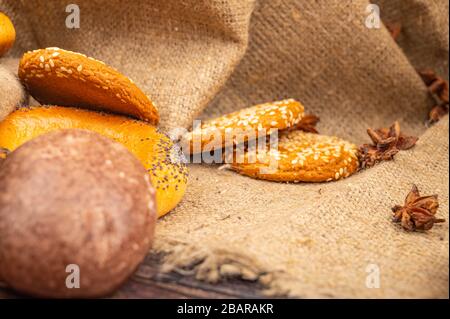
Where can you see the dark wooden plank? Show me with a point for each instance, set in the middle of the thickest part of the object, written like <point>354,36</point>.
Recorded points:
<point>149,282</point>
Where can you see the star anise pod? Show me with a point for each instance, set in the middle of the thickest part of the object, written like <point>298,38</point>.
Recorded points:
<point>395,29</point>
<point>386,143</point>
<point>438,87</point>
<point>308,123</point>
<point>418,212</point>
<point>436,113</point>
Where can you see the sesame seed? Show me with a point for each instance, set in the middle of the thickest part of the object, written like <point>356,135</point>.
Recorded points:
<point>41,58</point>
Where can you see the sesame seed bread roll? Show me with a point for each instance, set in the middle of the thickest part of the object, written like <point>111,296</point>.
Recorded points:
<point>300,157</point>
<point>58,77</point>
<point>245,124</point>
<point>162,159</point>
<point>7,34</point>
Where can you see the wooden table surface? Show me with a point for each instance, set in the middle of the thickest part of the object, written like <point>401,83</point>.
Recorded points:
<point>148,282</point>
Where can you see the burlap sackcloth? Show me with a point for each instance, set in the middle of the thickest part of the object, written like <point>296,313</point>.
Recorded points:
<point>305,240</point>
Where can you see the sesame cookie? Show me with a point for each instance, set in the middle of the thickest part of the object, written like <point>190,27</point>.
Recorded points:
<point>162,159</point>
<point>7,34</point>
<point>60,77</point>
<point>236,127</point>
<point>301,157</point>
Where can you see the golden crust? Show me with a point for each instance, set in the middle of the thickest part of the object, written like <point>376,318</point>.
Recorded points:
<point>157,153</point>
<point>7,34</point>
<point>236,127</point>
<point>60,77</point>
<point>301,157</point>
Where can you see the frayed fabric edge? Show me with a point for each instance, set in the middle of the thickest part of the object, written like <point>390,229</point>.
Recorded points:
<point>214,266</point>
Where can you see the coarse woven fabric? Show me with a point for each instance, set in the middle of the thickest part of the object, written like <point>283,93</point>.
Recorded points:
<point>201,58</point>
<point>11,92</point>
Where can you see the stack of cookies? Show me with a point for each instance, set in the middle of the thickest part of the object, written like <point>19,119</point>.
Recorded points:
<point>266,142</point>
